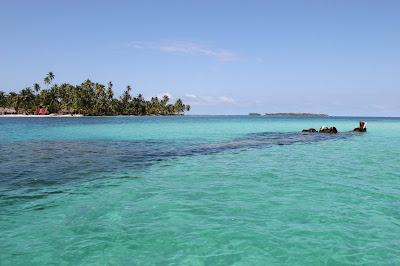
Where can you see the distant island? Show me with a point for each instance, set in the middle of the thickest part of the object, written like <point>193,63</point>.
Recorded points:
<point>254,114</point>
<point>296,114</point>
<point>89,99</point>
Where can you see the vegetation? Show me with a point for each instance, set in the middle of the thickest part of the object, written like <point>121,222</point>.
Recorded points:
<point>254,114</point>
<point>89,98</point>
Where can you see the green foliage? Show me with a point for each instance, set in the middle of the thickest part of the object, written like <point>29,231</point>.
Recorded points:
<point>3,99</point>
<point>89,98</point>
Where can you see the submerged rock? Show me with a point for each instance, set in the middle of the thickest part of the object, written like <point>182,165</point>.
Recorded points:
<point>311,130</point>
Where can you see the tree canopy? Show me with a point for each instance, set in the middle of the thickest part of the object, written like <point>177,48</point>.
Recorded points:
<point>89,98</point>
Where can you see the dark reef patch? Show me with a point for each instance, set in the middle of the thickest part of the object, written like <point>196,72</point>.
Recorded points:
<point>42,166</point>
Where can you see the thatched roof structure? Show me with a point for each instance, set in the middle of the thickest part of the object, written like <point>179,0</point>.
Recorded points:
<point>7,111</point>
<point>65,111</point>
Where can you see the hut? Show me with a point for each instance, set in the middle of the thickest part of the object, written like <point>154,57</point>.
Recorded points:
<point>7,111</point>
<point>41,111</point>
<point>66,112</point>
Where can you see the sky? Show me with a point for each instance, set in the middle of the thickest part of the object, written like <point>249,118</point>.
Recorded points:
<point>338,57</point>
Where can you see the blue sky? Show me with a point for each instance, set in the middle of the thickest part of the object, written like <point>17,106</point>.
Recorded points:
<point>222,57</point>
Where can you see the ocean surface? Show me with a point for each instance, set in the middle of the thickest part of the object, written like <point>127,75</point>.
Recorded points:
<point>199,190</point>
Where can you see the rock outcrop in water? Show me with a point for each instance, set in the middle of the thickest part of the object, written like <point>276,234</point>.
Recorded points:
<point>362,127</point>
<point>311,130</point>
<point>333,130</point>
<point>324,129</point>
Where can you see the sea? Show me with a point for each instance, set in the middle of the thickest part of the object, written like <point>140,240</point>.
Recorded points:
<point>199,190</point>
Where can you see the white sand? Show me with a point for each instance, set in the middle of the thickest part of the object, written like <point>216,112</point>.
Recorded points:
<point>50,115</point>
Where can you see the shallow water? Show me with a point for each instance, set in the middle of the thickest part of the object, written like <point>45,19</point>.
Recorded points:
<point>206,190</point>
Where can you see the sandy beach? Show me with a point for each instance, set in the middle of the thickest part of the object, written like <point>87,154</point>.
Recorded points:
<point>50,115</point>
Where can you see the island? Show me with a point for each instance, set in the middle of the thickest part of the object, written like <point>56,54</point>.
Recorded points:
<point>295,114</point>
<point>254,114</point>
<point>87,99</point>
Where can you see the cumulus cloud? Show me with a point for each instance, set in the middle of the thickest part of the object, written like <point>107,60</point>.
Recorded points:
<point>186,48</point>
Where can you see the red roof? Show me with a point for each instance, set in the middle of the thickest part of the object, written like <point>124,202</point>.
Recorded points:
<point>41,111</point>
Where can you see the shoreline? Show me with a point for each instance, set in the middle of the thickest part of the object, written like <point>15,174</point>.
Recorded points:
<point>80,115</point>
<point>50,115</point>
<point>188,115</point>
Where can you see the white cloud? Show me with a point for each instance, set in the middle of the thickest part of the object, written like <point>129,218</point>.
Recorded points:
<point>201,100</point>
<point>186,48</point>
<point>191,96</point>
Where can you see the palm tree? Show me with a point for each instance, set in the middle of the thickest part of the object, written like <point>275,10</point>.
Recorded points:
<point>43,98</point>
<point>27,100</point>
<point>165,100</point>
<point>49,79</point>
<point>65,94</point>
<point>13,99</point>
<point>46,81</point>
<point>109,94</point>
<point>36,87</point>
<point>89,98</point>
<point>126,101</point>
<point>140,98</point>
<point>87,84</point>
<point>51,76</point>
<point>77,99</point>
<point>179,106</point>
<point>109,97</point>
<point>53,99</point>
<point>3,99</point>
<point>163,104</point>
<point>100,93</point>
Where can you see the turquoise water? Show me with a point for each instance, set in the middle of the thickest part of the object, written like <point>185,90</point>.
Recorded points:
<point>212,190</point>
